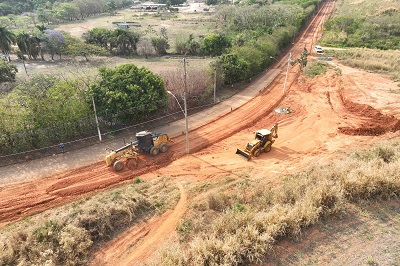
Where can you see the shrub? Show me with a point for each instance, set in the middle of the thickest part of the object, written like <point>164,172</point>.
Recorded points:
<point>315,68</point>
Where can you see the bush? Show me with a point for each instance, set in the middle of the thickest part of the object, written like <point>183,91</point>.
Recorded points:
<point>315,68</point>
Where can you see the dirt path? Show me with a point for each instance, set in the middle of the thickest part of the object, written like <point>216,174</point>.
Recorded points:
<point>142,239</point>
<point>329,113</point>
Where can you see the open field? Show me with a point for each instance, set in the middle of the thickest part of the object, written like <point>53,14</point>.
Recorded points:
<point>190,20</point>
<point>332,114</point>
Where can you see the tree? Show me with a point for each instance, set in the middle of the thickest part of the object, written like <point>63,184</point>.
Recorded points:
<point>7,72</point>
<point>66,11</point>
<point>215,44</point>
<point>125,41</point>
<point>234,69</point>
<point>160,45</point>
<point>7,38</point>
<point>52,42</point>
<point>188,47</point>
<point>129,92</point>
<point>160,42</point>
<point>98,36</point>
<point>28,44</point>
<point>75,47</point>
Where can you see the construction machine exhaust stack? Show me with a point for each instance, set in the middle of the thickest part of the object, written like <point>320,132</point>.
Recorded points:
<point>262,142</point>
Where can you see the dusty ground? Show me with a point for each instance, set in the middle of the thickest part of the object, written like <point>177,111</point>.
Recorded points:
<point>331,113</point>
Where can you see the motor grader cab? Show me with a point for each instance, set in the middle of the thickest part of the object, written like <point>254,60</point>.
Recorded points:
<point>127,155</point>
<point>262,142</point>
<point>151,143</point>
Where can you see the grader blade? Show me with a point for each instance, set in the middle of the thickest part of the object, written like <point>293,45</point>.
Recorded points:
<point>244,154</point>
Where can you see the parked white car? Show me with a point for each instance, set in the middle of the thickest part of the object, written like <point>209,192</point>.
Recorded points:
<point>319,49</point>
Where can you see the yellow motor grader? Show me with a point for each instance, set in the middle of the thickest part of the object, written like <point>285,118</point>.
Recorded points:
<point>151,143</point>
<point>263,141</point>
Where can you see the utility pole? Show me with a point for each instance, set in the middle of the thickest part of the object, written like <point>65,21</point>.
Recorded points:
<point>287,72</point>
<point>185,105</point>
<point>97,121</point>
<point>215,82</point>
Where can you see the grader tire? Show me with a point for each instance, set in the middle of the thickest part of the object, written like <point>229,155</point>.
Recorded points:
<point>131,163</point>
<point>164,148</point>
<point>154,151</point>
<point>118,166</point>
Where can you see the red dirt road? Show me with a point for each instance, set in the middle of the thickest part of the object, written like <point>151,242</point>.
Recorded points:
<point>330,112</point>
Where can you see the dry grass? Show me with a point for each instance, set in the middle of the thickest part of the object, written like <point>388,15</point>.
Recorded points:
<point>372,60</point>
<point>240,227</point>
<point>67,235</point>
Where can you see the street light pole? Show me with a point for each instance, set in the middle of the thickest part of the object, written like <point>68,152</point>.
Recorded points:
<point>185,106</point>
<point>215,83</point>
<point>184,111</point>
<point>97,120</point>
<point>287,72</point>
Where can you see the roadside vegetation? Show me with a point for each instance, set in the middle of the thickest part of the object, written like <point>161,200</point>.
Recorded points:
<point>235,223</point>
<point>69,234</point>
<point>364,24</point>
<point>240,224</point>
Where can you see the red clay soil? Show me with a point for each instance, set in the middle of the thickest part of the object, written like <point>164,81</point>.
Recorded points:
<point>376,123</point>
<point>322,112</point>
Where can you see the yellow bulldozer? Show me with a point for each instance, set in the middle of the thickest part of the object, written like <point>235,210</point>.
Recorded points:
<point>263,141</point>
<point>147,142</point>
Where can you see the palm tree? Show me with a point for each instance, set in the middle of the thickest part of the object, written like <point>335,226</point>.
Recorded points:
<point>28,44</point>
<point>7,38</point>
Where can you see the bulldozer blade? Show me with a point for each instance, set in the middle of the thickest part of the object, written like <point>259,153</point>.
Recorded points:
<point>244,154</point>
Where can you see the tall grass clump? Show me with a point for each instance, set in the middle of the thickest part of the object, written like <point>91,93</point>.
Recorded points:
<point>315,68</point>
<point>268,214</point>
<point>67,235</point>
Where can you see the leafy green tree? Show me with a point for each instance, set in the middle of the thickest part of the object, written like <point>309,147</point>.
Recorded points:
<point>215,44</point>
<point>188,47</point>
<point>7,38</point>
<point>28,44</point>
<point>125,41</point>
<point>160,45</point>
<point>211,2</point>
<point>7,72</point>
<point>66,11</point>
<point>5,9</point>
<point>234,69</point>
<point>52,42</point>
<point>99,37</point>
<point>129,91</point>
<point>75,47</point>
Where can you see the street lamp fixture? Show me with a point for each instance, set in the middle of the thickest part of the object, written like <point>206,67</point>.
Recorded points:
<point>274,58</point>
<point>184,110</point>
